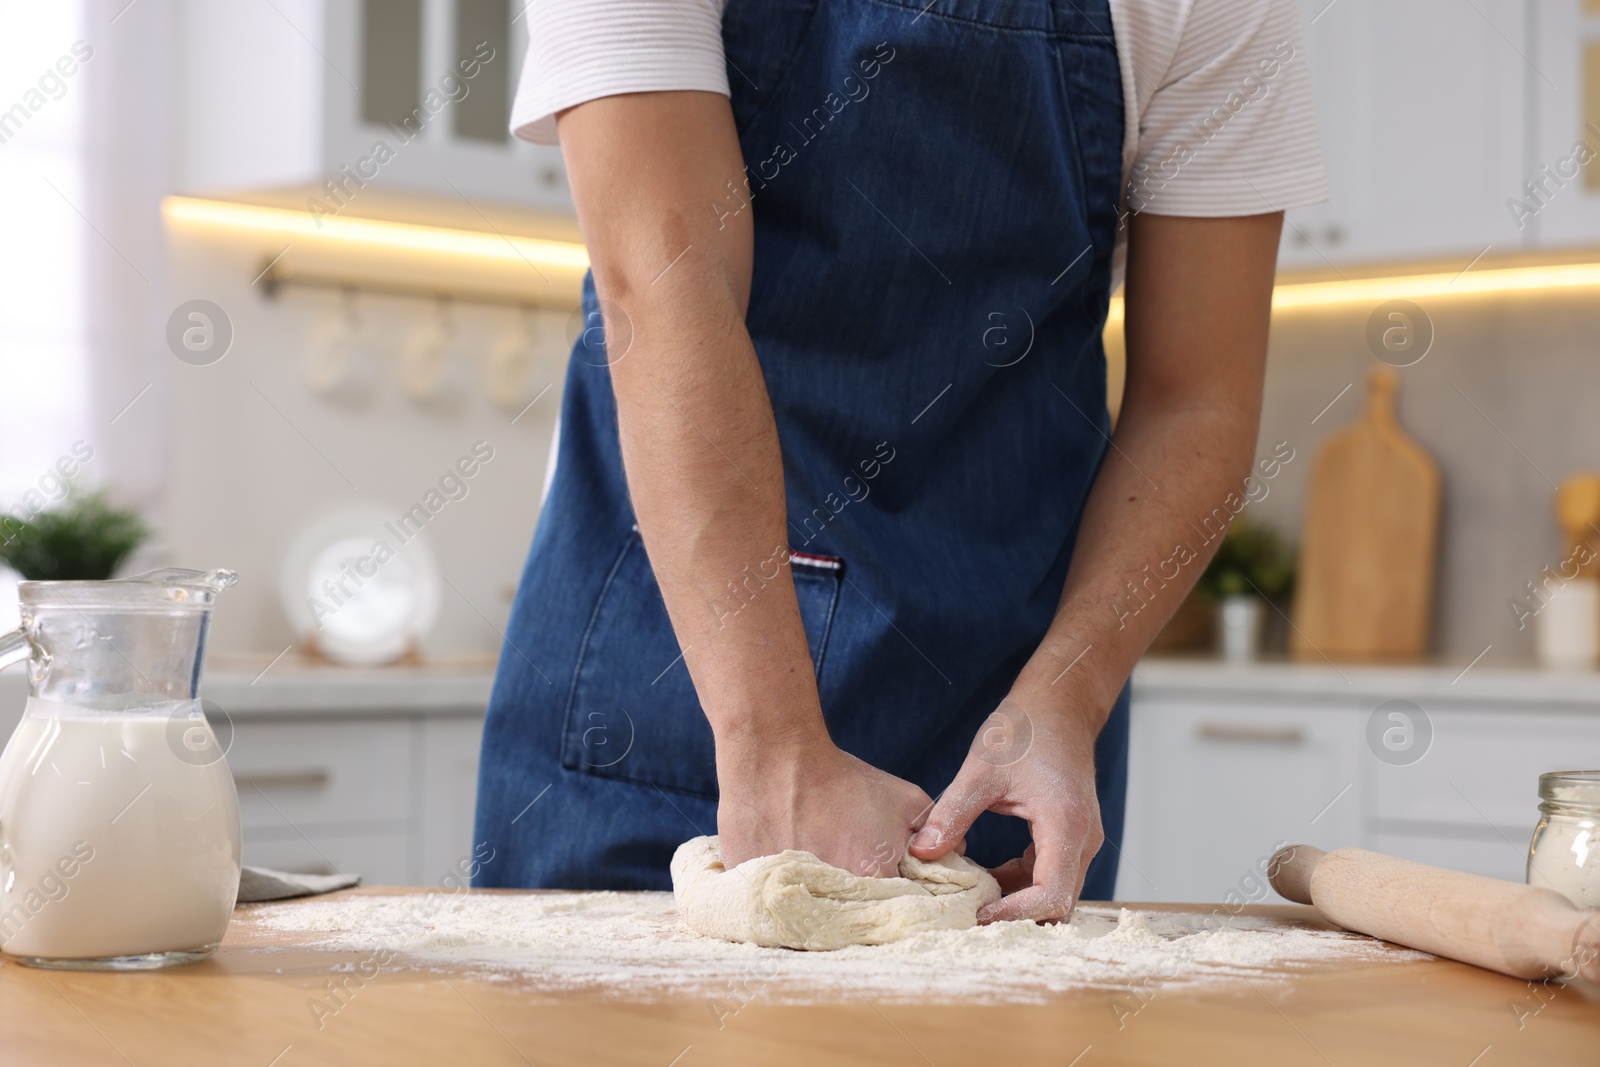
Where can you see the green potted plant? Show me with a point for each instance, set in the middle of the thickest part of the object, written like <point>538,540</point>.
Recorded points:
<point>1253,565</point>
<point>84,539</point>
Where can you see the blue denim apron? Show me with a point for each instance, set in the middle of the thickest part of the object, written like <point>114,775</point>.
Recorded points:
<point>934,190</point>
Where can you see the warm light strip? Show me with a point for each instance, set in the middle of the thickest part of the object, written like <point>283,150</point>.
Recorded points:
<point>1291,295</point>
<point>377,233</point>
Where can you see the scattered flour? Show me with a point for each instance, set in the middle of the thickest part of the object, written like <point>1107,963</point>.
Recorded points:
<point>633,945</point>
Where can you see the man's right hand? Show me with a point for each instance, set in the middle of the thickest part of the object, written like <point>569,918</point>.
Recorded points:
<point>814,797</point>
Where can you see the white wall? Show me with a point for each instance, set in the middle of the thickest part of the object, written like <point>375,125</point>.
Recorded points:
<point>249,101</point>
<point>257,453</point>
<point>1504,401</point>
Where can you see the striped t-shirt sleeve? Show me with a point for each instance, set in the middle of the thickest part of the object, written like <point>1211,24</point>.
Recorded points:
<point>1226,125</point>
<point>1217,96</point>
<point>581,51</point>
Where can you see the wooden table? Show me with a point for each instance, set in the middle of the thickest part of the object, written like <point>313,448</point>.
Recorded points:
<point>250,1006</point>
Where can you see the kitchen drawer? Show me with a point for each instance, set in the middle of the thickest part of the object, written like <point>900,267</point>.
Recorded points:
<point>449,795</point>
<point>1483,768</point>
<point>1214,787</point>
<point>1492,857</point>
<point>307,774</point>
<point>380,859</point>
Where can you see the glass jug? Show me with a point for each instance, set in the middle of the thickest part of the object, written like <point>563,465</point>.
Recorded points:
<point>119,821</point>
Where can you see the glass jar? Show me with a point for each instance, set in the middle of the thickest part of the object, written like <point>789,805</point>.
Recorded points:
<point>1565,852</point>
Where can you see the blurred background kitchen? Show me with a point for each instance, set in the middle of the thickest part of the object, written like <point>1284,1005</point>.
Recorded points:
<point>277,286</point>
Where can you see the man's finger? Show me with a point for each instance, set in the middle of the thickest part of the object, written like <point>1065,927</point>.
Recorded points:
<point>968,797</point>
<point>922,820</point>
<point>1052,895</point>
<point>1090,850</point>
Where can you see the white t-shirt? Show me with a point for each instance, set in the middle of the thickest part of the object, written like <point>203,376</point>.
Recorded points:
<point>1217,97</point>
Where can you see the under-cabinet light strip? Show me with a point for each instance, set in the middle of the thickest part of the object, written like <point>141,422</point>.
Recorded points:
<point>1290,295</point>
<point>1287,296</point>
<point>377,233</point>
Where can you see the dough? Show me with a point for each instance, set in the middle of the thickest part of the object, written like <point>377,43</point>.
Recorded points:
<point>794,900</point>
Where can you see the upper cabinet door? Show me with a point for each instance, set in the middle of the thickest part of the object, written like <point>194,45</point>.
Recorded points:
<point>403,96</point>
<point>1558,200</point>
<point>427,100</point>
<point>1420,107</point>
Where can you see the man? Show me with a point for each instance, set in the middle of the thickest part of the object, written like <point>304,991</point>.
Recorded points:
<point>838,521</point>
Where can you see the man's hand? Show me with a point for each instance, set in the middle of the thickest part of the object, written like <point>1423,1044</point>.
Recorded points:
<point>817,799</point>
<point>1039,767</point>
<point>1199,298</point>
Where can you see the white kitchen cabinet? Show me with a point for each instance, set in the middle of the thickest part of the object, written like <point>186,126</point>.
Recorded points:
<point>369,772</point>
<point>1216,785</point>
<point>1422,108</point>
<point>449,786</point>
<point>380,858</point>
<point>362,771</point>
<point>1483,768</point>
<point>1475,795</point>
<point>1493,858</point>
<point>372,772</point>
<point>1228,761</point>
<point>1563,208</point>
<point>321,773</point>
<point>300,93</point>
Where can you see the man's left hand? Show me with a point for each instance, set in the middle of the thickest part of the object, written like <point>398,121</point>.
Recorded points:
<point>1039,767</point>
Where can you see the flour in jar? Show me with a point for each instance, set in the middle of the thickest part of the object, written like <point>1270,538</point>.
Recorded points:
<point>1565,855</point>
<point>114,839</point>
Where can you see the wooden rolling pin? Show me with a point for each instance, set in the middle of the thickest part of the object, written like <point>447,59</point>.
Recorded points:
<point>1523,931</point>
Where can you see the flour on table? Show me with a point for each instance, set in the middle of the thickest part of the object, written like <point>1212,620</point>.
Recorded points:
<point>633,945</point>
<point>795,900</point>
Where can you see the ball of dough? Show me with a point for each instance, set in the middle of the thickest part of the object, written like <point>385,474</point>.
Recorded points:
<point>794,900</point>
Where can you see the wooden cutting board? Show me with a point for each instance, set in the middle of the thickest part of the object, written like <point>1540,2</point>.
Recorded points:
<point>1370,540</point>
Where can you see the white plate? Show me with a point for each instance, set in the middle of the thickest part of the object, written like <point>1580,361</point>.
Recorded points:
<point>361,585</point>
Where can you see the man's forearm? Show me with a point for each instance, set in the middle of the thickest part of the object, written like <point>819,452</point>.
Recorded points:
<point>1198,307</point>
<point>1141,551</point>
<point>699,441</point>
<point>706,478</point>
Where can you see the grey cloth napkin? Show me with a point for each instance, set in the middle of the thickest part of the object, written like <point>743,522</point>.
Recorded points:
<point>257,884</point>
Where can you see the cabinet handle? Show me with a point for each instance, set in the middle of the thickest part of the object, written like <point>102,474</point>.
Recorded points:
<point>312,779</point>
<point>1236,731</point>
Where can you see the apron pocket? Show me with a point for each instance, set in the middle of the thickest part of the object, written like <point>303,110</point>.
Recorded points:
<point>632,713</point>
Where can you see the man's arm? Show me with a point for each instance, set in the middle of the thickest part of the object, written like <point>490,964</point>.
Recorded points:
<point>700,447</point>
<point>1199,297</point>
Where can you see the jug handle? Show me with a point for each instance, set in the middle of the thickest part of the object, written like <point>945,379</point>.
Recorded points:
<point>14,646</point>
